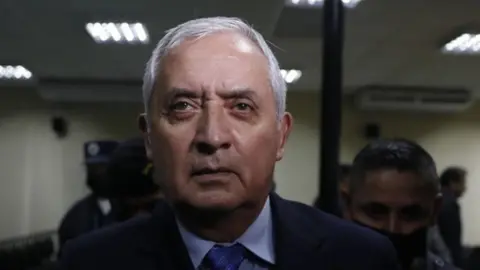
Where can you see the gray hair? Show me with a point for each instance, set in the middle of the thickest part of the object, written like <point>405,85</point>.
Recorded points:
<point>200,28</point>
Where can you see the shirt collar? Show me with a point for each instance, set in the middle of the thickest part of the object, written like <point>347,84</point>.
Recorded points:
<point>258,239</point>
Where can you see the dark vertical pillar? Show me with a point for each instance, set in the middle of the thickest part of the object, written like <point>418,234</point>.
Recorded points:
<point>331,104</point>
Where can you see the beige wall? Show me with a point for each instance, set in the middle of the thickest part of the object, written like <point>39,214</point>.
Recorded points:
<point>41,176</point>
<point>450,138</point>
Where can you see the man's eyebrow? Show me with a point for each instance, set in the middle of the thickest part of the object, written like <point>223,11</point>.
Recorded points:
<point>177,92</point>
<point>181,92</point>
<point>238,93</point>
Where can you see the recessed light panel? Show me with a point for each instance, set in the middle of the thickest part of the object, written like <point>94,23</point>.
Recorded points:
<point>291,75</point>
<point>319,3</point>
<point>10,72</point>
<point>467,43</point>
<point>121,33</point>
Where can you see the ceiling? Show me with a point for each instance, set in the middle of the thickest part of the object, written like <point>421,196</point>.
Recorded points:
<point>386,41</point>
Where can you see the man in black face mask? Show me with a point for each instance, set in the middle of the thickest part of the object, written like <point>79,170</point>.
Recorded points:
<point>394,189</point>
<point>95,210</point>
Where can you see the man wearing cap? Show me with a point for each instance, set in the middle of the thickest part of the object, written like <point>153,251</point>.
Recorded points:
<point>95,210</point>
<point>131,175</point>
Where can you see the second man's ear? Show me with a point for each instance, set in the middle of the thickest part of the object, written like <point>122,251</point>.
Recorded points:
<point>142,122</point>
<point>347,201</point>
<point>345,196</point>
<point>145,130</point>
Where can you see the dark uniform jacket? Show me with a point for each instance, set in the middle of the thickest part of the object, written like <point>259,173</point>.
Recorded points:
<point>85,216</point>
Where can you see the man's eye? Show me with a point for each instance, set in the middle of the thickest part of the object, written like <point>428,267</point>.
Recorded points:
<point>242,106</point>
<point>375,211</point>
<point>414,213</point>
<point>180,106</point>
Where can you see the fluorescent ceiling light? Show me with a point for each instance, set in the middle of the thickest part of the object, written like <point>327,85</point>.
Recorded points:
<point>467,43</point>
<point>126,33</point>
<point>319,3</point>
<point>14,73</point>
<point>291,75</point>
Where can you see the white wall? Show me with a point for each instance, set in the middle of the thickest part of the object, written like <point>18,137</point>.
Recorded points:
<point>41,175</point>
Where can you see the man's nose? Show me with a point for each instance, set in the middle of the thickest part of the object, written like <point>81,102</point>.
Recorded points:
<point>213,132</point>
<point>394,224</point>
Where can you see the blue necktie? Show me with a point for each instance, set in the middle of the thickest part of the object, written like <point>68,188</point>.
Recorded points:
<point>225,258</point>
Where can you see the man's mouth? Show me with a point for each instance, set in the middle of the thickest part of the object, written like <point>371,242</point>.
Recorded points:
<point>211,171</point>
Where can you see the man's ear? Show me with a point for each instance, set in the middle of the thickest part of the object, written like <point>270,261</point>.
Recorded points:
<point>347,200</point>
<point>145,130</point>
<point>285,129</point>
<point>343,186</point>
<point>436,208</point>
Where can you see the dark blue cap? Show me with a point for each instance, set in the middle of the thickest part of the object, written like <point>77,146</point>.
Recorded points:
<point>99,151</point>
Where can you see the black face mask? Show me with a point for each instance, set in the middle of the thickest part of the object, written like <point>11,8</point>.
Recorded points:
<point>99,185</point>
<point>411,248</point>
<point>127,211</point>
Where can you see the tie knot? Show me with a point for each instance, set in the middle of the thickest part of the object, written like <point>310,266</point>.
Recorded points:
<point>226,258</point>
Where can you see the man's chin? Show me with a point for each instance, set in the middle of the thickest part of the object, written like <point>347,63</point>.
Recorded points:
<point>215,201</point>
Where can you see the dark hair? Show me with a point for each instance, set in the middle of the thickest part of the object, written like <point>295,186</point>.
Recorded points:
<point>452,175</point>
<point>130,171</point>
<point>399,154</point>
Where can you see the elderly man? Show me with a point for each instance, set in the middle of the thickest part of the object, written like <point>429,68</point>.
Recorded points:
<point>216,125</point>
<point>394,189</point>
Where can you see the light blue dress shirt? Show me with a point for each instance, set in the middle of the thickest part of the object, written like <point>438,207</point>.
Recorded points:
<point>258,239</point>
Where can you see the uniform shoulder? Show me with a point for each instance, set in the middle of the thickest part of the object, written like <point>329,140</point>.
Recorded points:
<point>336,227</point>
<point>78,209</point>
<point>80,204</point>
<point>110,239</point>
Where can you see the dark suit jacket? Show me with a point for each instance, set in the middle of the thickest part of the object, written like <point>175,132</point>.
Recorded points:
<point>450,227</point>
<point>84,217</point>
<point>305,239</point>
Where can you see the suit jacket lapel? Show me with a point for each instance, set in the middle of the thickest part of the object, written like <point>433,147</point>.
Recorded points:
<point>163,242</point>
<point>297,239</point>
<point>297,242</point>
